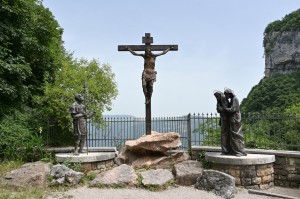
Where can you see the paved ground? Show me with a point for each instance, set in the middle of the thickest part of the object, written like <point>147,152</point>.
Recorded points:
<point>171,193</point>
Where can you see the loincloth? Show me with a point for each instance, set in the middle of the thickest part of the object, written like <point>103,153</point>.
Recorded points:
<point>149,77</point>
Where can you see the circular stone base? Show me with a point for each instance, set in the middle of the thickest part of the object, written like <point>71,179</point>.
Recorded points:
<point>254,171</point>
<point>84,157</point>
<point>250,159</point>
<point>90,161</point>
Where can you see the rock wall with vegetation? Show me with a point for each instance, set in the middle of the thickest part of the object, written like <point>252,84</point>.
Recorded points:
<point>281,44</point>
<point>279,90</point>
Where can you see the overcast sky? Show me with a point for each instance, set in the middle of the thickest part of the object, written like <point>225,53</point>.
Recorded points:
<point>220,44</point>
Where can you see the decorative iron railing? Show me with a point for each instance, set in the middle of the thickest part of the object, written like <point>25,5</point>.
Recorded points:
<point>261,130</point>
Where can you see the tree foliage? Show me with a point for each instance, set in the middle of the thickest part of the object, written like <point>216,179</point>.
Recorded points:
<point>21,138</point>
<point>290,22</point>
<point>38,79</point>
<point>30,48</point>
<point>69,80</point>
<point>273,94</point>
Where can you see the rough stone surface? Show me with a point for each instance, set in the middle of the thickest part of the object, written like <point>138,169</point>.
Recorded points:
<point>119,176</point>
<point>220,183</point>
<point>160,161</point>
<point>84,157</point>
<point>64,175</point>
<point>156,142</point>
<point>152,151</point>
<point>157,177</point>
<point>250,159</point>
<point>282,52</point>
<point>186,173</point>
<point>125,156</point>
<point>29,175</point>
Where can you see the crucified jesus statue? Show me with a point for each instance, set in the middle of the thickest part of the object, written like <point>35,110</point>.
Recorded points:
<point>149,73</point>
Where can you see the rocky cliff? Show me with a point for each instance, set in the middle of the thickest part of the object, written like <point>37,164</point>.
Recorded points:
<point>282,52</point>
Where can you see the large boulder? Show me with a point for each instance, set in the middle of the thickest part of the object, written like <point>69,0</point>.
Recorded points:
<point>156,142</point>
<point>220,183</point>
<point>125,156</point>
<point>64,175</point>
<point>186,173</point>
<point>119,176</point>
<point>29,175</point>
<point>158,177</point>
<point>152,151</point>
<point>160,161</point>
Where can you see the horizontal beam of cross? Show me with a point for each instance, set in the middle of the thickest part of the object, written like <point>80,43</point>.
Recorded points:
<point>143,47</point>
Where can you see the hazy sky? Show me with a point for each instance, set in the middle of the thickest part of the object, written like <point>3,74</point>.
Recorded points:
<point>220,45</point>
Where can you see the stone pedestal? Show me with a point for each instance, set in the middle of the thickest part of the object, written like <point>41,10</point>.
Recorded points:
<point>254,171</point>
<point>90,161</point>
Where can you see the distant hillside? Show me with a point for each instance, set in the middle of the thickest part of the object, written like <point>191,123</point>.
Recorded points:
<point>282,45</point>
<point>280,88</point>
<point>273,94</point>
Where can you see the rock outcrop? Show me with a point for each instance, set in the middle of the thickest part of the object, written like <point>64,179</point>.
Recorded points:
<point>152,151</point>
<point>156,142</point>
<point>158,177</point>
<point>282,52</point>
<point>186,173</point>
<point>220,183</point>
<point>64,175</point>
<point>123,175</point>
<point>29,175</point>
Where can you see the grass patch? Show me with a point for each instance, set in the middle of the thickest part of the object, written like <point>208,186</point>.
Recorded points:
<point>9,193</point>
<point>156,188</point>
<point>6,166</point>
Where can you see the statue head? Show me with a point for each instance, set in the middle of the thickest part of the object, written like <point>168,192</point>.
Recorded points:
<point>218,95</point>
<point>148,51</point>
<point>228,93</point>
<point>79,97</point>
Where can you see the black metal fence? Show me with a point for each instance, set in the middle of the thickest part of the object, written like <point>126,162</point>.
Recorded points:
<point>266,131</point>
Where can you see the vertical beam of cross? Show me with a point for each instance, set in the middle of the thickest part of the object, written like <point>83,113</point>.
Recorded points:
<point>149,73</point>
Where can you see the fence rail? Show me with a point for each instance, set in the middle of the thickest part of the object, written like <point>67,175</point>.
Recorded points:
<point>266,131</point>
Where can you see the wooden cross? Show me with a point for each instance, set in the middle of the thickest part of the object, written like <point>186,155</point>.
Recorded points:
<point>148,40</point>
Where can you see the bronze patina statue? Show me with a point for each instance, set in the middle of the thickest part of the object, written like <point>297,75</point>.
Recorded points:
<point>149,73</point>
<point>232,138</point>
<point>78,113</point>
<point>223,103</point>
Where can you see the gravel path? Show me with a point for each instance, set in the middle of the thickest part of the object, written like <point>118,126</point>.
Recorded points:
<point>171,193</point>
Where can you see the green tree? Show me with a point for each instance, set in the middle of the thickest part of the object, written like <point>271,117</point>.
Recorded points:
<point>69,80</point>
<point>292,135</point>
<point>30,48</point>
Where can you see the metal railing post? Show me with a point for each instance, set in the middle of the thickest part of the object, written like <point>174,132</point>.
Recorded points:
<point>189,132</point>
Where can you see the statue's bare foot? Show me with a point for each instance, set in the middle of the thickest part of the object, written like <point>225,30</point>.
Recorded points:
<point>147,101</point>
<point>76,152</point>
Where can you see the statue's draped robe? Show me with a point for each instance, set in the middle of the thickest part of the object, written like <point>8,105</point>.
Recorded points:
<point>79,122</point>
<point>236,134</point>
<point>224,123</point>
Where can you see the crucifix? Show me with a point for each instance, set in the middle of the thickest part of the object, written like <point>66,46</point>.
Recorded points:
<point>149,73</point>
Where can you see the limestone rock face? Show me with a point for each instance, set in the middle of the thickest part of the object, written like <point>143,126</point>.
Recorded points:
<point>118,176</point>
<point>156,142</point>
<point>282,52</point>
<point>29,175</point>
